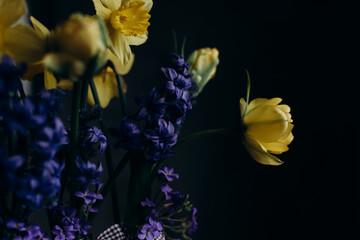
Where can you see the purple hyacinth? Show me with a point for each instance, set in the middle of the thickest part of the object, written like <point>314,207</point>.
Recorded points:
<point>92,135</point>
<point>168,173</point>
<point>162,139</point>
<point>176,84</point>
<point>127,135</point>
<point>152,106</point>
<point>61,234</point>
<point>8,168</point>
<point>10,75</point>
<point>150,230</point>
<point>88,172</point>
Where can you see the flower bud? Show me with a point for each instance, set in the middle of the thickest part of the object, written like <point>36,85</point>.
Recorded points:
<point>266,128</point>
<point>203,63</point>
<point>74,43</point>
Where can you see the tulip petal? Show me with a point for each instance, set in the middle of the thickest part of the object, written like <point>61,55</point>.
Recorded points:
<point>266,123</point>
<point>288,137</point>
<point>120,47</point>
<point>137,40</point>
<point>258,152</point>
<point>286,109</point>
<point>11,11</point>
<point>24,44</point>
<point>101,10</point>
<point>276,147</point>
<point>257,102</point>
<point>40,29</point>
<point>111,4</point>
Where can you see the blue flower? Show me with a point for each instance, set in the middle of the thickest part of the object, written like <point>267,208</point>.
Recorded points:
<point>169,174</point>
<point>52,99</point>
<point>10,75</point>
<point>148,203</point>
<point>88,172</point>
<point>8,168</point>
<point>127,135</point>
<point>150,230</point>
<point>166,189</point>
<point>152,106</point>
<point>162,139</point>
<point>90,136</point>
<point>176,84</point>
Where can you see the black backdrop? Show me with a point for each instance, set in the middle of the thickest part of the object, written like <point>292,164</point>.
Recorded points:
<point>294,50</point>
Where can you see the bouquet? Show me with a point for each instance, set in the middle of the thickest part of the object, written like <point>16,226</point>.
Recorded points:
<point>52,165</point>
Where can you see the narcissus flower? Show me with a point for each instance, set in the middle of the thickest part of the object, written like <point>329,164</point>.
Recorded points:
<point>127,22</point>
<point>266,128</point>
<point>10,12</point>
<point>203,63</point>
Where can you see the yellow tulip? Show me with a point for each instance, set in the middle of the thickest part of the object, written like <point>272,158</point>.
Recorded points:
<point>10,12</point>
<point>127,22</point>
<point>202,64</point>
<point>267,129</point>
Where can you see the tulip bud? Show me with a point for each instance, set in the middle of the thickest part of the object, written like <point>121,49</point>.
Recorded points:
<point>203,63</point>
<point>266,128</point>
<point>74,43</point>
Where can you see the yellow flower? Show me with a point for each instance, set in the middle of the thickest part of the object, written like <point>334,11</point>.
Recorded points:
<point>203,63</point>
<point>10,12</point>
<point>66,51</point>
<point>127,22</point>
<point>267,129</point>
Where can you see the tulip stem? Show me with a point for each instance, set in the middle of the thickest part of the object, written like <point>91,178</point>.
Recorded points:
<point>108,155</point>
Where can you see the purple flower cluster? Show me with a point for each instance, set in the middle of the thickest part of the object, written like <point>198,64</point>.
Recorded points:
<point>150,230</point>
<point>92,141</point>
<point>24,232</point>
<point>70,225</point>
<point>163,110</point>
<point>88,173</point>
<point>31,133</point>
<point>174,210</point>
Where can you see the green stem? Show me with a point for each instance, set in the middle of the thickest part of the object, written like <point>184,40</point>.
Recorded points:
<point>74,134</point>
<point>108,155</point>
<point>120,89</point>
<point>112,181</point>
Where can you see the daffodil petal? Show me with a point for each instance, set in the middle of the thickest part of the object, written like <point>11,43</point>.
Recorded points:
<point>121,68</point>
<point>257,102</point>
<point>120,47</point>
<point>137,40</point>
<point>65,84</point>
<point>148,3</point>
<point>266,123</point>
<point>101,10</point>
<point>40,29</point>
<point>23,44</point>
<point>11,11</point>
<point>49,80</point>
<point>32,70</point>
<point>111,4</point>
<point>258,152</point>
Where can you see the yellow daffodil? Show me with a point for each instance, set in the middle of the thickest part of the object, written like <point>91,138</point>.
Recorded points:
<point>127,22</point>
<point>267,128</point>
<point>10,12</point>
<point>203,63</point>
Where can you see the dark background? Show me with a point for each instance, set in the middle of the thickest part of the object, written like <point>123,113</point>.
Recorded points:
<point>295,50</point>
